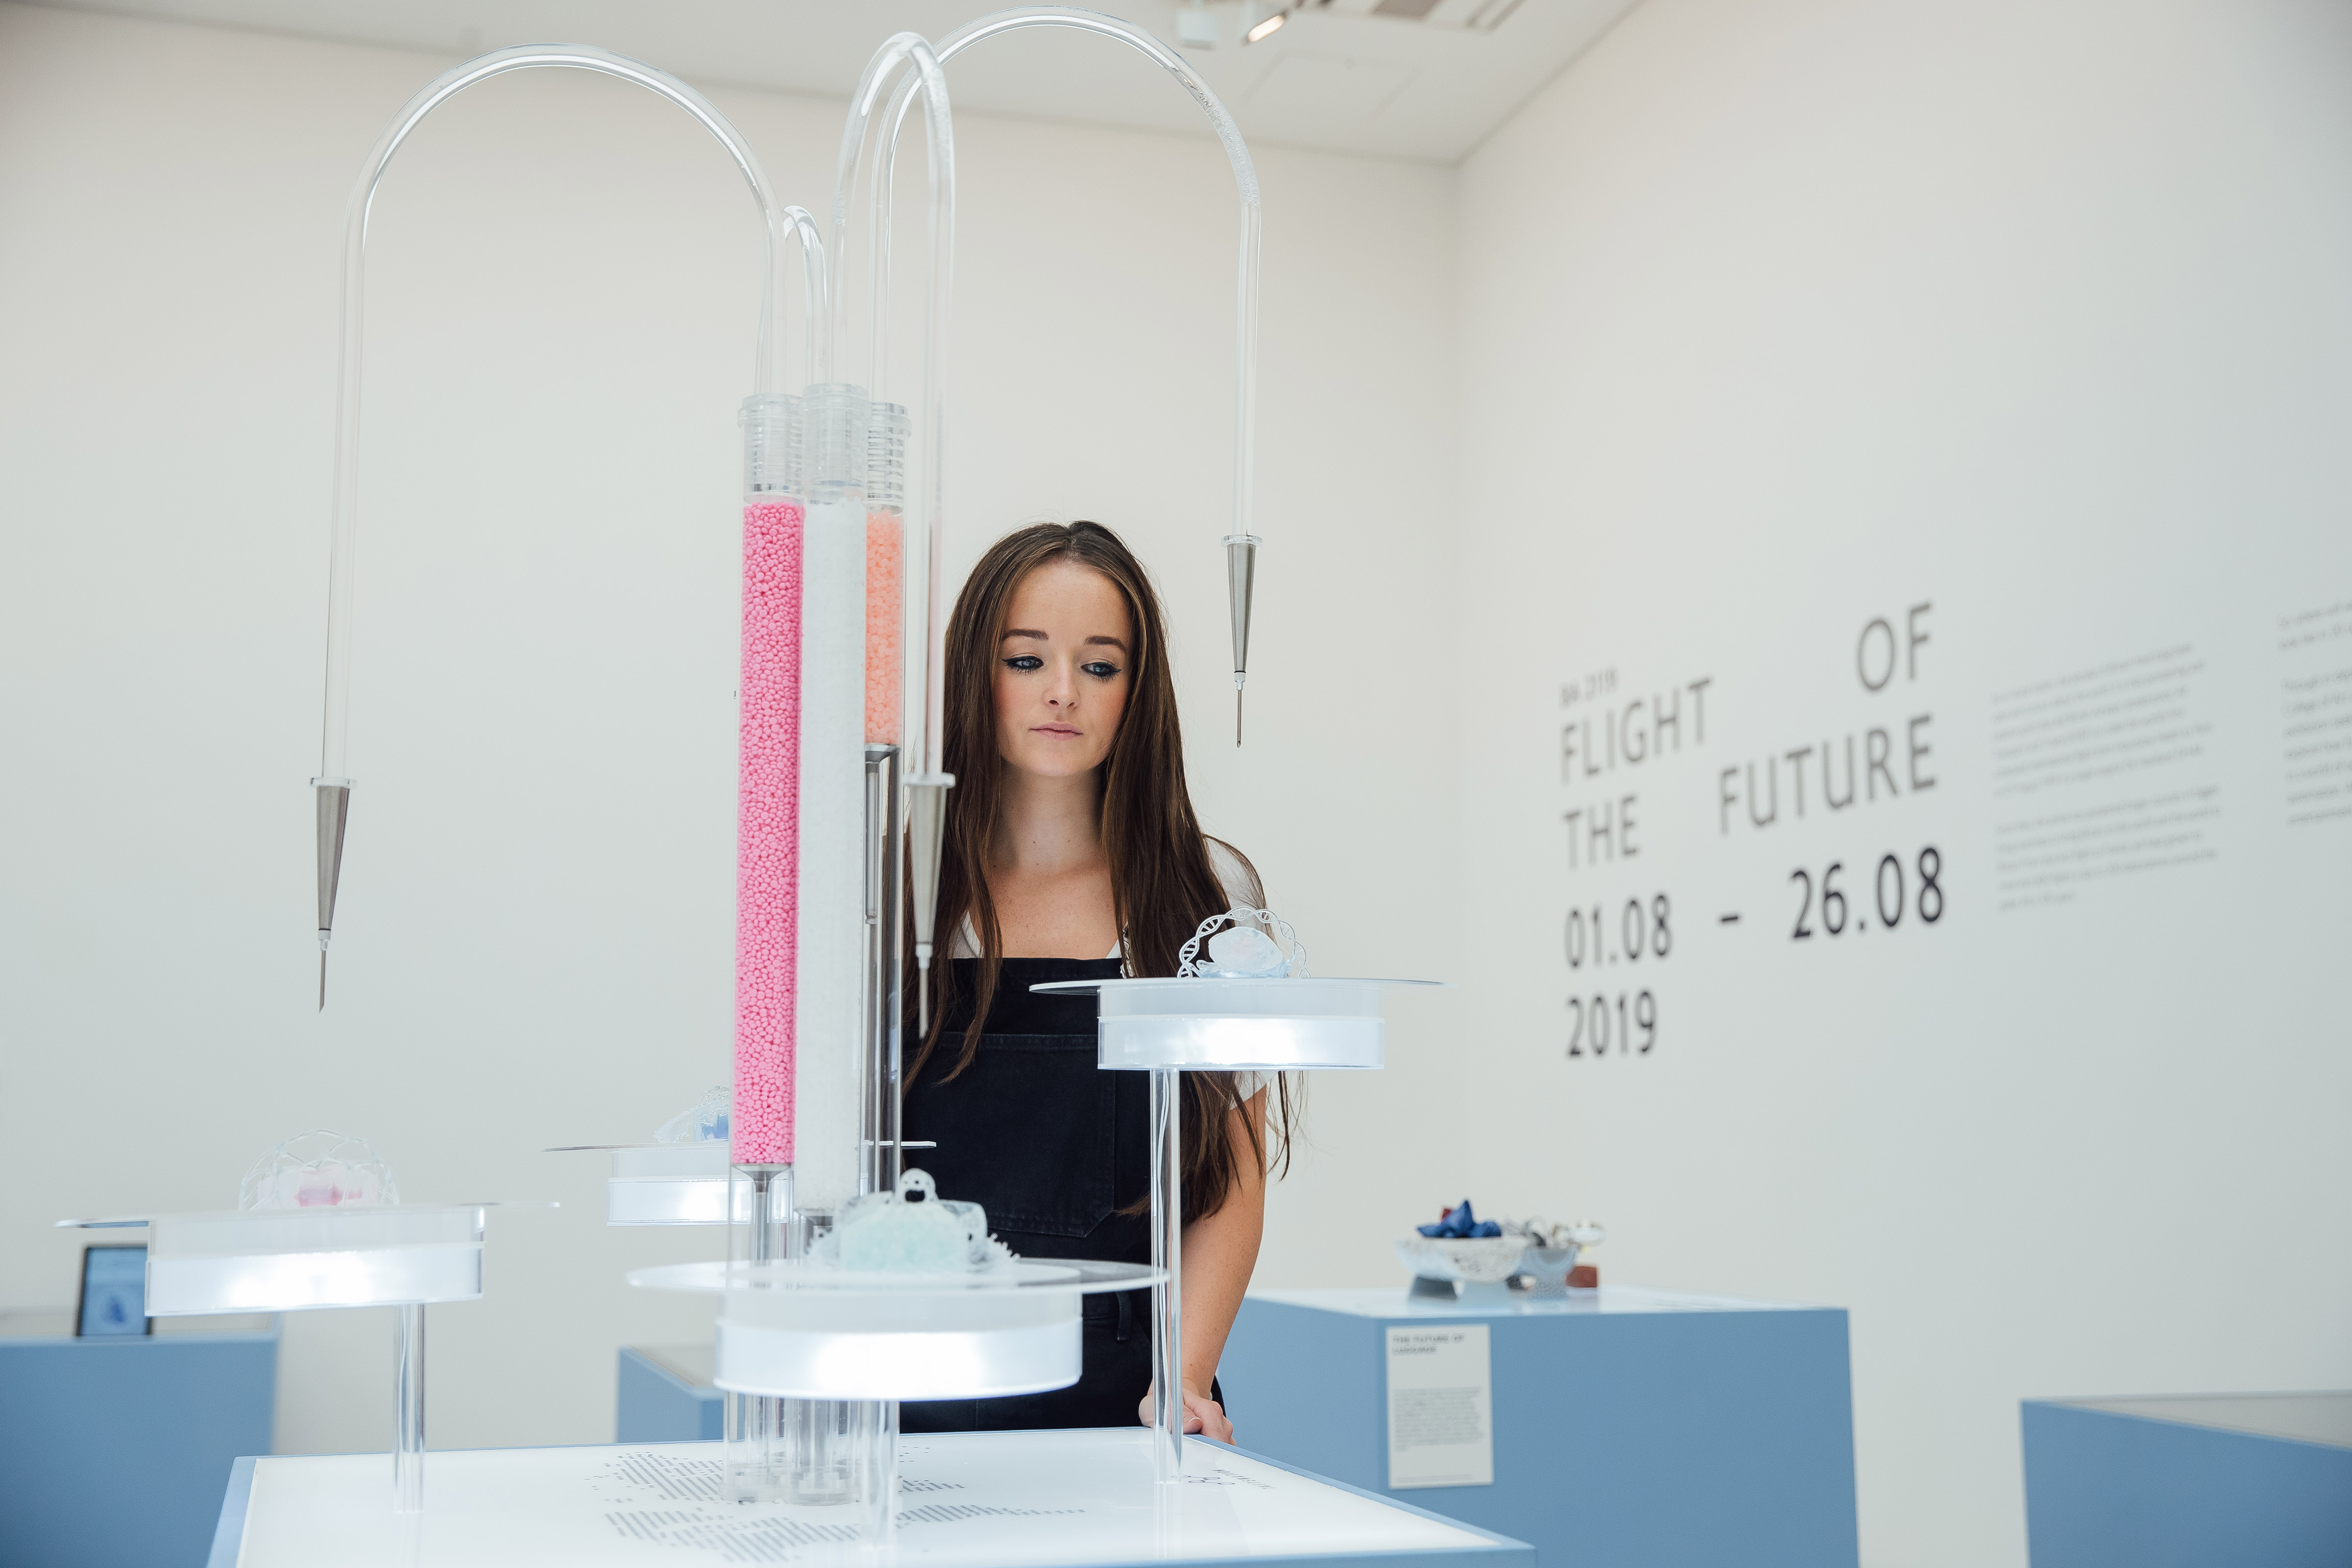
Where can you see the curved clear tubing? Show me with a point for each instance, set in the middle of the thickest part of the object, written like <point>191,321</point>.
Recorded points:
<point>1168,1408</point>
<point>781,224</point>
<point>1241,544</point>
<point>921,546</point>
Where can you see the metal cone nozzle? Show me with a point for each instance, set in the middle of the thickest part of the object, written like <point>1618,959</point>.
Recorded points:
<point>927,821</point>
<point>1241,576</point>
<point>334,809</point>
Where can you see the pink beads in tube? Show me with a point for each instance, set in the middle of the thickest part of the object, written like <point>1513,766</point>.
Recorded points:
<point>767,823</point>
<point>886,555</point>
<point>886,544</point>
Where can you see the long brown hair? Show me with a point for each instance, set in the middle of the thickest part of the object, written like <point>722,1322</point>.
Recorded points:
<point>1163,884</point>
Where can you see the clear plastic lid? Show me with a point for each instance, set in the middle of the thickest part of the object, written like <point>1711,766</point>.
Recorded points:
<point>835,418</point>
<point>775,447</point>
<point>886,457</point>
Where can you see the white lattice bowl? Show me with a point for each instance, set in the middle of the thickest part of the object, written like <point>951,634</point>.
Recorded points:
<point>1473,1260</point>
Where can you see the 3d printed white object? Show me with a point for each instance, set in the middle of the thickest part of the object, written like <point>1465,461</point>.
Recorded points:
<point>911,1231</point>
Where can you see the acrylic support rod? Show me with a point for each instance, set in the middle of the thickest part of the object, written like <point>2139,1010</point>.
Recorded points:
<point>1170,1027</point>
<point>1241,544</point>
<point>334,782</point>
<point>1167,1258</point>
<point>408,1441</point>
<point>756,1426</point>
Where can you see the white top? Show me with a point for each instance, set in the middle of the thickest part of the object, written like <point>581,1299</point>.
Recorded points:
<point>1233,878</point>
<point>972,1500</point>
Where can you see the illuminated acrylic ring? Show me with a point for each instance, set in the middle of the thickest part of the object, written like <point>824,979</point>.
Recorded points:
<point>293,1260</point>
<point>1197,1025</point>
<point>811,1330</point>
<point>664,1183</point>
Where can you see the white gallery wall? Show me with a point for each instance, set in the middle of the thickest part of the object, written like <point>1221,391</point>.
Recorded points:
<point>1968,377</point>
<point>535,938</point>
<point>1962,388</point>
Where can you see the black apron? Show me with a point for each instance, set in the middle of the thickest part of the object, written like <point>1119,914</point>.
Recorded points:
<point>1052,1147</point>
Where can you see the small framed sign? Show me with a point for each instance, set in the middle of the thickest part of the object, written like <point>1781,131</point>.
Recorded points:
<point>1440,1406</point>
<point>113,1292</point>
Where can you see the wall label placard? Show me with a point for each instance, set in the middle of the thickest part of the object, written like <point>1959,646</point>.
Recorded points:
<point>1440,1406</point>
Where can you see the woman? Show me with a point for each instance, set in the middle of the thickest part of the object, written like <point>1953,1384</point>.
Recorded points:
<point>1072,853</point>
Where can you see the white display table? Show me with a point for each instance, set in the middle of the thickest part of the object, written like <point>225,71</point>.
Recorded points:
<point>966,1500</point>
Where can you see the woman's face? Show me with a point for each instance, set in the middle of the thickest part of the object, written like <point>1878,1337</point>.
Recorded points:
<point>1062,670</point>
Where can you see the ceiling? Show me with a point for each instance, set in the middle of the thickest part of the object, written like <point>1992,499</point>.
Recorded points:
<point>1329,79</point>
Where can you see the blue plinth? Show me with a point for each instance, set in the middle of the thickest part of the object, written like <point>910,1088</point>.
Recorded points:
<point>1630,1426</point>
<point>114,1452</point>
<point>666,1396</point>
<point>2189,1482</point>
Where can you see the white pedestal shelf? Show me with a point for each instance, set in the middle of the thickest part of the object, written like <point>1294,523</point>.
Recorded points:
<point>1198,1024</point>
<point>663,1184</point>
<point>405,1256</point>
<point>293,1260</point>
<point>810,1330</point>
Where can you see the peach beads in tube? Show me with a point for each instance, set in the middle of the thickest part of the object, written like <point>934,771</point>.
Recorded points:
<point>886,545</point>
<point>767,870</point>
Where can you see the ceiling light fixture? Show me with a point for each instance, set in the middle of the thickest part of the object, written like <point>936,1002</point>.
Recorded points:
<point>1267,25</point>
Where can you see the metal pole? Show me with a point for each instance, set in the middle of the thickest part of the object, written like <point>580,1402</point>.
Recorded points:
<point>878,1159</point>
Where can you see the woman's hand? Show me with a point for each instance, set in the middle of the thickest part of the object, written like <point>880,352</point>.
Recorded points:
<point>1201,1414</point>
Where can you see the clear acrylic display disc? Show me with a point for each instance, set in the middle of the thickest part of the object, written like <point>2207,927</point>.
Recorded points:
<point>292,1260</point>
<point>809,1330</point>
<point>1222,1024</point>
<point>663,1184</point>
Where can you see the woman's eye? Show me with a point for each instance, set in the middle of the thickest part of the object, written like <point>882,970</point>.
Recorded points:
<point>1024,662</point>
<point>1101,669</point>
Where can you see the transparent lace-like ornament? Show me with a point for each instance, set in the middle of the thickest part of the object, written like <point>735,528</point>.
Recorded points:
<point>319,1170</point>
<point>1243,950</point>
<point>704,1121</point>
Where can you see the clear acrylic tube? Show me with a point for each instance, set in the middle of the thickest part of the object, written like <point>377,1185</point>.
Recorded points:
<point>334,746</point>
<point>917,552</point>
<point>886,544</point>
<point>408,1435</point>
<point>880,1118</point>
<point>877,1465</point>
<point>765,1230</point>
<point>1168,1254</point>
<point>780,225</point>
<point>1241,544</point>
<point>767,767</point>
<point>906,52</point>
<point>822,1451</point>
<point>831,870</point>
